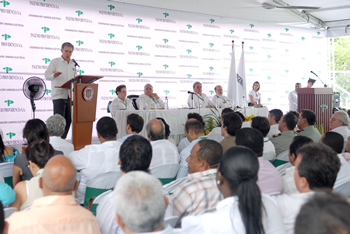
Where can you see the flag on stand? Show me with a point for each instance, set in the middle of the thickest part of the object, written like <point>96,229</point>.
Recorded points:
<point>232,86</point>
<point>241,82</point>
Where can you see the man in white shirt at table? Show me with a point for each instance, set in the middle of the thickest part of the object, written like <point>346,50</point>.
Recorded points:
<point>163,151</point>
<point>97,159</point>
<point>293,98</point>
<point>199,98</point>
<point>59,71</point>
<point>221,100</point>
<point>149,99</point>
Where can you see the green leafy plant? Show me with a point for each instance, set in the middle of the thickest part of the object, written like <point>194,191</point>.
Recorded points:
<point>212,120</point>
<point>320,128</point>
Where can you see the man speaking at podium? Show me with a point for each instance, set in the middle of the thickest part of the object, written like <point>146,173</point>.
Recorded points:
<point>61,70</point>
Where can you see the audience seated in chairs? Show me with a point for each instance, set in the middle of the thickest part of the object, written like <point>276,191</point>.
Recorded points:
<point>134,125</point>
<point>269,180</point>
<point>56,125</point>
<point>316,169</point>
<point>200,193</point>
<point>38,153</point>
<point>194,131</point>
<point>216,134</point>
<point>139,204</point>
<point>282,140</point>
<point>306,122</point>
<point>262,124</point>
<point>34,130</point>
<point>135,155</point>
<point>56,211</point>
<point>324,213</point>
<point>274,117</point>
<point>3,224</point>
<point>335,141</point>
<point>163,151</point>
<point>99,158</point>
<point>244,209</point>
<point>230,124</point>
<point>7,154</point>
<point>287,170</point>
<point>167,131</point>
<point>185,142</point>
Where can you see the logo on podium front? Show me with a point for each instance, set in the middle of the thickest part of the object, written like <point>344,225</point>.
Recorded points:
<point>88,93</point>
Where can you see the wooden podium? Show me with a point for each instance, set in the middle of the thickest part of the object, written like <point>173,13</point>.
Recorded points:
<point>319,100</point>
<point>84,108</point>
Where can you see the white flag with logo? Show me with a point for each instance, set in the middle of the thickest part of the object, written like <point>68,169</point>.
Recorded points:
<point>232,83</point>
<point>241,82</point>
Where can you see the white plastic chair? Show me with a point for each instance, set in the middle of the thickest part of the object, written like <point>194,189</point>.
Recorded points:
<point>171,221</point>
<point>343,189</point>
<point>6,170</point>
<point>283,156</point>
<point>165,173</point>
<point>9,211</point>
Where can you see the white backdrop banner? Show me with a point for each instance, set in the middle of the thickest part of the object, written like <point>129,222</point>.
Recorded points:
<point>134,45</point>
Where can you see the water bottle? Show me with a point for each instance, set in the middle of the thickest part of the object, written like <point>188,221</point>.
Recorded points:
<point>141,103</point>
<point>166,103</point>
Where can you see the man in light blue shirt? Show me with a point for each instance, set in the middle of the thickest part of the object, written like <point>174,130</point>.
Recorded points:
<point>194,131</point>
<point>134,125</point>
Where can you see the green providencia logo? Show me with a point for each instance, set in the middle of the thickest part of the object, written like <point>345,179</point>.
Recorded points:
<point>139,20</point>
<point>189,26</point>
<point>111,63</point>
<point>139,47</point>
<point>318,33</point>
<point>302,78</point>
<point>80,42</point>
<point>112,91</point>
<point>212,21</point>
<point>286,71</point>
<point>211,68</point>
<point>45,29</point>
<point>302,38</point>
<point>139,74</point>
<point>230,54</point>
<point>189,51</point>
<point>165,40</point>
<point>6,36</point>
<point>268,99</point>
<point>250,69</point>
<point>47,91</point>
<point>111,35</point>
<point>165,66</point>
<point>211,92</point>
<point>251,47</point>
<point>166,92</point>
<point>11,134</point>
<point>5,3</point>
<point>46,60</point>
<point>111,7</point>
<point>286,50</point>
<point>232,31</point>
<point>269,78</point>
<point>7,69</point>
<point>287,29</point>
<point>165,14</point>
<point>268,56</point>
<point>286,91</point>
<point>9,102</point>
<point>81,72</point>
<point>189,76</point>
<point>302,58</point>
<point>211,44</point>
<point>79,13</point>
<point>251,25</point>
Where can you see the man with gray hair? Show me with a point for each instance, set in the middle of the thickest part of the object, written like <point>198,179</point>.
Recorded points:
<point>339,123</point>
<point>59,71</point>
<point>57,183</point>
<point>149,99</point>
<point>163,151</point>
<point>55,125</point>
<point>139,204</point>
<point>199,98</point>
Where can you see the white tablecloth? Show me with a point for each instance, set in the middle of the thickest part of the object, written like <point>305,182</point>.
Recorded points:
<point>176,118</point>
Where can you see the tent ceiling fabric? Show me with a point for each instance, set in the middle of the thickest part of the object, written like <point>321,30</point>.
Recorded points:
<point>334,14</point>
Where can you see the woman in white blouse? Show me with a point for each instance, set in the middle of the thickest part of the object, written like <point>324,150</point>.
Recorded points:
<point>244,209</point>
<point>254,95</point>
<point>121,102</point>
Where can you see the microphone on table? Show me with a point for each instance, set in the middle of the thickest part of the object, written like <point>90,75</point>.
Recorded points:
<point>75,62</point>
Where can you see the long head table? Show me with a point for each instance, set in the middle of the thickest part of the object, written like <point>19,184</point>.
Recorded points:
<point>176,118</point>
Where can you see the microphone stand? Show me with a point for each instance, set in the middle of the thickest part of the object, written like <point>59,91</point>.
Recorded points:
<point>319,79</point>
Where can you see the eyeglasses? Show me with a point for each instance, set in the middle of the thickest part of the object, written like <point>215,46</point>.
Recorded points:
<point>333,119</point>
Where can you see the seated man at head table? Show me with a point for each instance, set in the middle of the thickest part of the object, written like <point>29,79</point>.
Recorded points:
<point>199,98</point>
<point>221,100</point>
<point>149,99</point>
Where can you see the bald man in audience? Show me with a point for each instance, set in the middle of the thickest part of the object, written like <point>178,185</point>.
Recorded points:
<point>306,125</point>
<point>163,151</point>
<point>339,123</point>
<point>57,211</point>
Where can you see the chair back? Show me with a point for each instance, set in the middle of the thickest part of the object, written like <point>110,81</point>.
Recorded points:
<point>281,159</point>
<point>97,201</point>
<point>9,211</point>
<point>166,172</point>
<point>6,169</point>
<point>108,110</point>
<point>100,184</point>
<point>171,221</point>
<point>343,189</point>
<point>133,97</point>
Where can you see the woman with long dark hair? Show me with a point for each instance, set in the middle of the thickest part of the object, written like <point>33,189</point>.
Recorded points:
<point>243,209</point>
<point>7,154</point>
